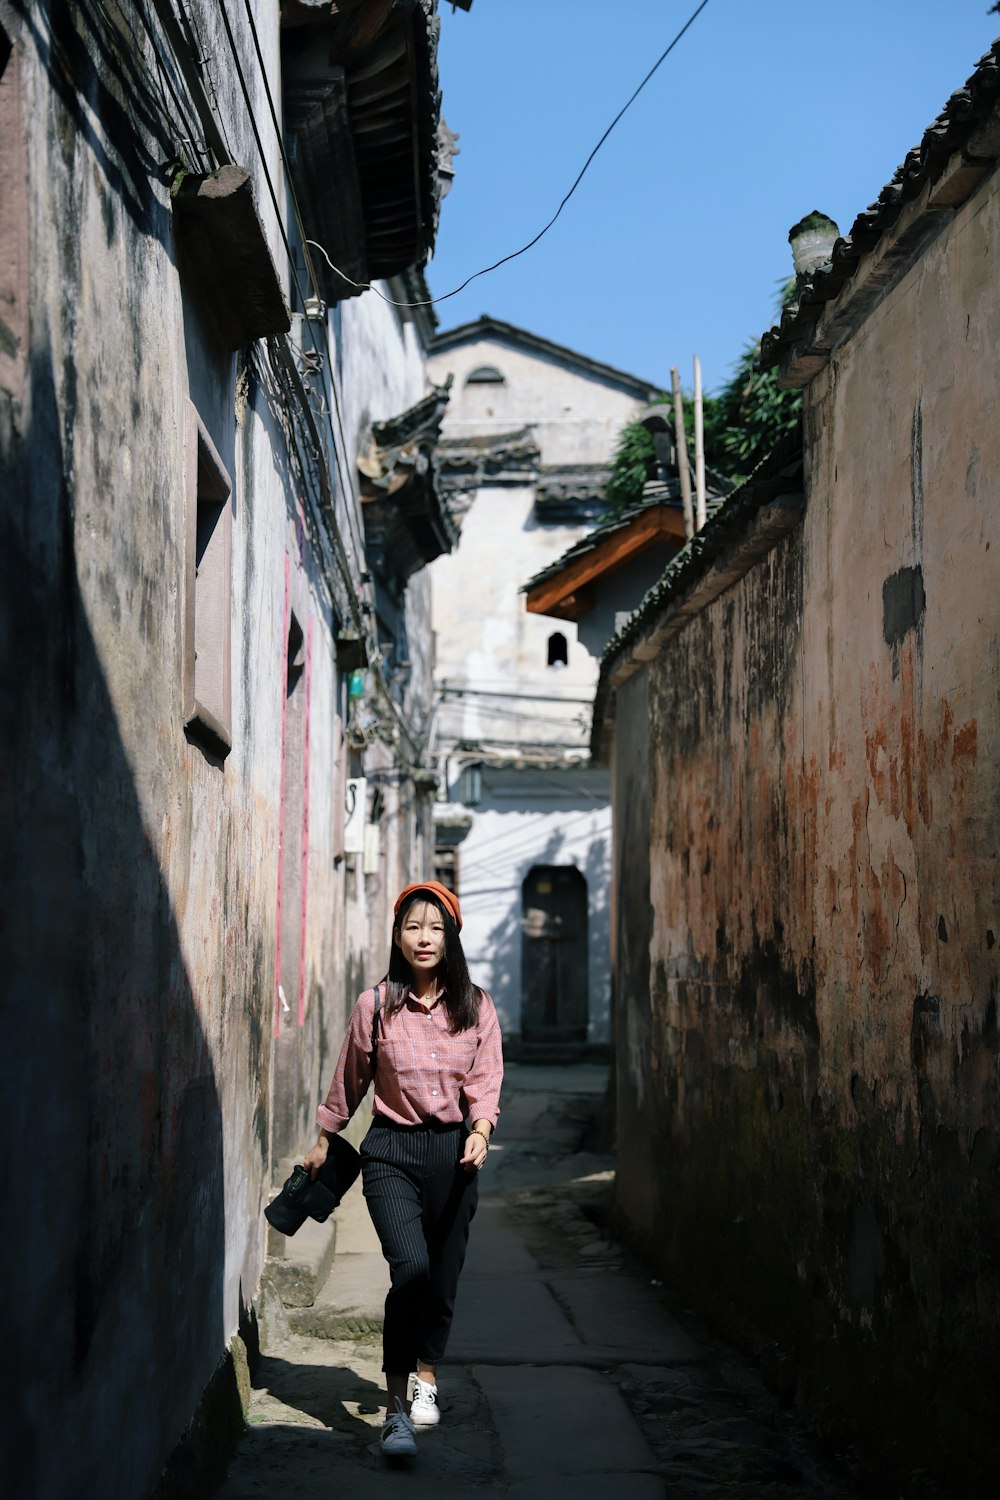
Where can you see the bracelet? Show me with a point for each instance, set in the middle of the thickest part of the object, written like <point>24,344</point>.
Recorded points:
<point>482,1136</point>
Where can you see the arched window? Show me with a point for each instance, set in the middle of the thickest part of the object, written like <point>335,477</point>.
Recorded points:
<point>485,375</point>
<point>558,653</point>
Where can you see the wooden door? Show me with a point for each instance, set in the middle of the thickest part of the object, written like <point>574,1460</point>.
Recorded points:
<point>554,1003</point>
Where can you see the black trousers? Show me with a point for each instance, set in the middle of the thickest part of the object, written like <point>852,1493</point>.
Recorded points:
<point>421,1203</point>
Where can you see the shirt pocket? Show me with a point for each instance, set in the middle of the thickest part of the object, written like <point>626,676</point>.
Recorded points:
<point>461,1054</point>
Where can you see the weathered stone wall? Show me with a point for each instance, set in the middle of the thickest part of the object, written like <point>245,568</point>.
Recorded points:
<point>813,1064</point>
<point>145,1092</point>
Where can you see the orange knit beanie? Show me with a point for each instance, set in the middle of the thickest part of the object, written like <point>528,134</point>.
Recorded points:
<point>447,898</point>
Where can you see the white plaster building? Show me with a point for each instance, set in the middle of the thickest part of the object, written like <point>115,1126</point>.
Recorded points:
<point>523,826</point>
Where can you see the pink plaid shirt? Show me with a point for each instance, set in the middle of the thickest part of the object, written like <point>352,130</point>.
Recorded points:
<point>425,1071</point>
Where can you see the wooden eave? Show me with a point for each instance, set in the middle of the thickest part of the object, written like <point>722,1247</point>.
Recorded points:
<point>361,110</point>
<point>566,594</point>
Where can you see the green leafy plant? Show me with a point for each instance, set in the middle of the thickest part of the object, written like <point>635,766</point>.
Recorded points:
<point>743,423</point>
<point>630,469</point>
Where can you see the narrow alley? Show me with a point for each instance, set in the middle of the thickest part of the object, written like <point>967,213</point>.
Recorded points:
<point>570,1371</point>
<point>632,586</point>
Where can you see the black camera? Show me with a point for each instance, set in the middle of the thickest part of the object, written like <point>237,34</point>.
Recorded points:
<point>303,1198</point>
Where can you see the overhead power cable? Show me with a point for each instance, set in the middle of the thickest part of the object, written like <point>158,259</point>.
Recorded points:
<point>367,286</point>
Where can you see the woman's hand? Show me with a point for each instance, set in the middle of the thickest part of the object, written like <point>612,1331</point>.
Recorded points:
<point>476,1147</point>
<point>316,1156</point>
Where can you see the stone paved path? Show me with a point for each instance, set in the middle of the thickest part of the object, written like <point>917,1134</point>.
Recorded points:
<point>570,1373</point>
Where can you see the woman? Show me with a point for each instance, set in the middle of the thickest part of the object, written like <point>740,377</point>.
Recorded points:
<point>437,1066</point>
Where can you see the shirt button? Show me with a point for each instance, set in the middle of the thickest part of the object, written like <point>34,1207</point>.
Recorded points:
<point>433,1091</point>
<point>433,1054</point>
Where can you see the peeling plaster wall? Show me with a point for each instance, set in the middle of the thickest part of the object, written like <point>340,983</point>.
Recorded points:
<point>382,372</point>
<point>813,1049</point>
<point>142,1081</point>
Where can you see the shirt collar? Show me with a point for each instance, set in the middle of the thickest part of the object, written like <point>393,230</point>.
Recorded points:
<point>435,999</point>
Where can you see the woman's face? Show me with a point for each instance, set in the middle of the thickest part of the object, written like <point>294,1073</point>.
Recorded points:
<point>421,938</point>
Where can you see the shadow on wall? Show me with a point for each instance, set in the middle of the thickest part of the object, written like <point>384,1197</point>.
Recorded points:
<point>69,40</point>
<point>505,939</point>
<point>596,870</point>
<point>113,1265</point>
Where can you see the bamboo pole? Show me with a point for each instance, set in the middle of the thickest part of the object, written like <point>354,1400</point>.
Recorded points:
<point>682,453</point>
<point>701,514</point>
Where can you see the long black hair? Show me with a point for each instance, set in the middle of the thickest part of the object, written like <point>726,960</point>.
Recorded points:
<point>461,996</point>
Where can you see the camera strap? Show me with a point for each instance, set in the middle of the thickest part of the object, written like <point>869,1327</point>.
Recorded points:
<point>375,1016</point>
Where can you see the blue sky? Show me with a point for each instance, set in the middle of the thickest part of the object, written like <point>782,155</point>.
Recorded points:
<point>676,239</point>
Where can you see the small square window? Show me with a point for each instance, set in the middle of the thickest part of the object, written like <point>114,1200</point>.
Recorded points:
<point>207,593</point>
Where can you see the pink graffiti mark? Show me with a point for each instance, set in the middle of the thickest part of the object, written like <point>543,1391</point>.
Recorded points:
<point>282,677</point>
<point>305,829</point>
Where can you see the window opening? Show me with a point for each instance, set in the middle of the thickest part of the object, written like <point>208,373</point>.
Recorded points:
<point>485,375</point>
<point>296,655</point>
<point>558,652</point>
<point>208,596</point>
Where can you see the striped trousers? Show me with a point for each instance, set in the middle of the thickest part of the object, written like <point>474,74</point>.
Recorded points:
<point>421,1204</point>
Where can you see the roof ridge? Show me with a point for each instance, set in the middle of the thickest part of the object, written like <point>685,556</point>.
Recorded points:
<point>486,323</point>
<point>964,111</point>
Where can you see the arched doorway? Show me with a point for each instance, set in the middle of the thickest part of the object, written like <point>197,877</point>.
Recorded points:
<point>554,955</point>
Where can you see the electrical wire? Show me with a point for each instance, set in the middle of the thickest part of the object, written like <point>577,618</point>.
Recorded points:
<point>326,365</point>
<point>375,655</point>
<point>165,85</point>
<point>288,396</point>
<point>201,61</point>
<point>490,857</point>
<point>310,268</point>
<point>368,286</point>
<point>322,355</point>
<point>447,690</point>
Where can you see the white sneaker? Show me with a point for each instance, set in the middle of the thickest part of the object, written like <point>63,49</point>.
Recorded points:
<point>397,1438</point>
<point>424,1409</point>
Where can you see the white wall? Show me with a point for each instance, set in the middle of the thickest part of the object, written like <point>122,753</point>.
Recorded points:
<point>486,639</point>
<point>577,417</point>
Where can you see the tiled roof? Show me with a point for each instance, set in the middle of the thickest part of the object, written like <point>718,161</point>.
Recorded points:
<point>571,493</point>
<point>467,463</point>
<point>535,758</point>
<point>406,521</point>
<point>668,494</point>
<point>522,439</point>
<point>486,327</point>
<point>967,124</point>
<point>721,546</point>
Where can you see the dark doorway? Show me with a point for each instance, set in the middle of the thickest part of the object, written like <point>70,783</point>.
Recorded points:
<point>554,955</point>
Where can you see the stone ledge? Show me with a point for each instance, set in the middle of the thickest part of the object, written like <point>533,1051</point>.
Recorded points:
<point>298,1267</point>
<point>226,254</point>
